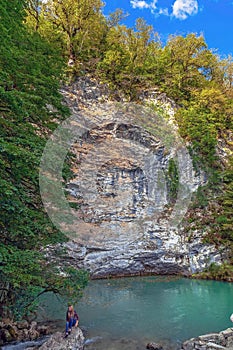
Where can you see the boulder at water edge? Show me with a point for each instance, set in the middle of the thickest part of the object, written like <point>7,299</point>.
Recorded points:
<point>75,341</point>
<point>154,346</point>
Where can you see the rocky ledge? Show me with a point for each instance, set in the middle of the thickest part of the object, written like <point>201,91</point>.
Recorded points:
<point>18,331</point>
<point>75,341</point>
<point>212,341</point>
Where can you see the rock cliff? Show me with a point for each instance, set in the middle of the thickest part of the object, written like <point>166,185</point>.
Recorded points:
<point>132,183</point>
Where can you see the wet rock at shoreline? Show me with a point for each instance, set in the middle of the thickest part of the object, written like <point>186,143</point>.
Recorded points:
<point>75,341</point>
<point>212,341</point>
<point>154,346</point>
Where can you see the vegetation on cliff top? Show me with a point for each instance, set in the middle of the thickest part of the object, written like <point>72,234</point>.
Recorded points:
<point>38,39</point>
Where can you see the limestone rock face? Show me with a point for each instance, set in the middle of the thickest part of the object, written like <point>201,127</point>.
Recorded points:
<point>132,183</point>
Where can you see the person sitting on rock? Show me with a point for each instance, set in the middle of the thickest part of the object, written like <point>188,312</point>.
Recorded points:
<point>72,319</point>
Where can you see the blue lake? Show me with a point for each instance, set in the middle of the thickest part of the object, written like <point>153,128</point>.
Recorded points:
<point>128,313</point>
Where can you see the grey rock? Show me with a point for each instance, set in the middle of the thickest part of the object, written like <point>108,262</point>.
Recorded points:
<point>229,341</point>
<point>154,346</point>
<point>188,345</point>
<point>33,334</point>
<point>210,341</point>
<point>43,330</point>
<point>213,346</point>
<point>227,332</point>
<point>23,325</point>
<point>75,341</point>
<point>209,337</point>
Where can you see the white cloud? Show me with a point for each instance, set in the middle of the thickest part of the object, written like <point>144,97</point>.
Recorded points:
<point>184,8</point>
<point>163,11</point>
<point>181,9</point>
<point>142,4</point>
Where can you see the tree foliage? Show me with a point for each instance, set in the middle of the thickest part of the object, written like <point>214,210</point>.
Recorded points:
<point>30,102</point>
<point>76,27</point>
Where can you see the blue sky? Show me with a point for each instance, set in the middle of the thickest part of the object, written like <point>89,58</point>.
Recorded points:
<point>212,18</point>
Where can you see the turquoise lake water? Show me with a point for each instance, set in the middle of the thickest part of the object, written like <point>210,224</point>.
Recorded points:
<point>128,313</point>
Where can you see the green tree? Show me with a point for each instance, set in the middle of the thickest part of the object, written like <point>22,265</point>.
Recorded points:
<point>30,68</point>
<point>30,102</point>
<point>127,58</point>
<point>189,66</point>
<point>78,22</point>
